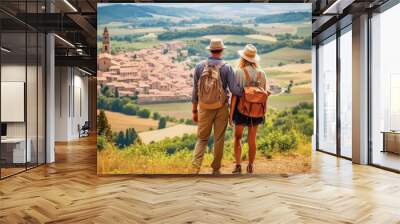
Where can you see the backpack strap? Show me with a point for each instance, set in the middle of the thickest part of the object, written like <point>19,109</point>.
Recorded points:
<point>246,75</point>
<point>221,64</point>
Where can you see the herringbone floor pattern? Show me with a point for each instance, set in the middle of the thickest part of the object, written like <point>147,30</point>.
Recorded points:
<point>69,191</point>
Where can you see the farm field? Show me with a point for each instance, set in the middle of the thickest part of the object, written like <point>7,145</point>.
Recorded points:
<point>285,55</point>
<point>297,78</point>
<point>170,132</point>
<point>292,68</point>
<point>121,122</point>
<point>302,89</point>
<point>274,28</point>
<point>262,37</point>
<point>133,46</point>
<point>259,39</point>
<point>288,101</point>
<point>177,110</point>
<point>304,30</point>
<point>184,109</point>
<point>126,31</point>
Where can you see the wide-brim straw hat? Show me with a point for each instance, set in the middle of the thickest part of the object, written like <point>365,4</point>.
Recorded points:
<point>216,44</point>
<point>249,53</point>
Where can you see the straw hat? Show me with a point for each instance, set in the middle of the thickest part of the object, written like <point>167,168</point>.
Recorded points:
<point>249,53</point>
<point>216,44</point>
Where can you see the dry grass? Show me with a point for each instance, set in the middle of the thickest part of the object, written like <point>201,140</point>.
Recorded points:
<point>296,77</point>
<point>114,161</point>
<point>121,122</point>
<point>292,68</point>
<point>302,89</point>
<point>175,131</point>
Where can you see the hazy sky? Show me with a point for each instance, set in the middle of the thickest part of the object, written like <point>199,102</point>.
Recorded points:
<point>268,7</point>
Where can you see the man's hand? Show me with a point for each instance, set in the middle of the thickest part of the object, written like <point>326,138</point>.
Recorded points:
<point>195,117</point>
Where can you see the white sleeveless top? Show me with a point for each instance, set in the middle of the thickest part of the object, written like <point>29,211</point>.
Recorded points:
<point>240,77</point>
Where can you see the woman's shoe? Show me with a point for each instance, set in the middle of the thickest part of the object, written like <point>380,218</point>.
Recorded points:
<point>250,168</point>
<point>237,170</point>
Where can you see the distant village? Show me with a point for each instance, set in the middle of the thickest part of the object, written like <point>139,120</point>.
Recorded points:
<point>153,75</point>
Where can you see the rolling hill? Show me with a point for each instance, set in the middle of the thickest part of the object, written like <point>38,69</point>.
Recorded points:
<point>130,12</point>
<point>285,17</point>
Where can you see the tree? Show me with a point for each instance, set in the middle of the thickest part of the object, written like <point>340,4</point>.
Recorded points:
<point>130,136</point>
<point>103,127</point>
<point>135,95</point>
<point>120,140</point>
<point>116,105</point>
<point>130,109</point>
<point>102,102</point>
<point>105,91</point>
<point>162,123</point>
<point>156,116</point>
<point>144,113</point>
<point>116,93</point>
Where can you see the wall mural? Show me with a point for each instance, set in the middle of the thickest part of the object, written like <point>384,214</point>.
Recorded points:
<point>156,60</point>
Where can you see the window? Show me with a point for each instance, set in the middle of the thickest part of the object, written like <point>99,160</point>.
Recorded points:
<point>22,75</point>
<point>346,93</point>
<point>327,95</point>
<point>385,89</point>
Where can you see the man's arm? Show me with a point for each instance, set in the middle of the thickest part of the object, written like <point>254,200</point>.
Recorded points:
<point>195,96</point>
<point>232,83</point>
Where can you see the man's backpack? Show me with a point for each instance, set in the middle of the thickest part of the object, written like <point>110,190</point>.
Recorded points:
<point>210,90</point>
<point>253,102</point>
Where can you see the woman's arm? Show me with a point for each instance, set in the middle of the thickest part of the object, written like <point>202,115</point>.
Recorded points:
<point>266,87</point>
<point>232,109</point>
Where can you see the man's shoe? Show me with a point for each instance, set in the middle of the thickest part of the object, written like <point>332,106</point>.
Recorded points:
<point>216,172</point>
<point>195,169</point>
<point>237,170</point>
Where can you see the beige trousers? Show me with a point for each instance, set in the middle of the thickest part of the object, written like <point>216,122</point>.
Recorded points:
<point>217,118</point>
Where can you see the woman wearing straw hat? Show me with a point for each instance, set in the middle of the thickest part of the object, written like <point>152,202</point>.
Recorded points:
<point>247,71</point>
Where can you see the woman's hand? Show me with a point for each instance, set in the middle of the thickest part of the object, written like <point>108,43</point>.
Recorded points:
<point>232,110</point>
<point>230,122</point>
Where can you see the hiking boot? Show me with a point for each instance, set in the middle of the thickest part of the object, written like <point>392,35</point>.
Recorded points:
<point>237,170</point>
<point>216,172</point>
<point>195,170</point>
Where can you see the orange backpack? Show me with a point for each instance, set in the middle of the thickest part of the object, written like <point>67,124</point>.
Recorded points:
<point>253,102</point>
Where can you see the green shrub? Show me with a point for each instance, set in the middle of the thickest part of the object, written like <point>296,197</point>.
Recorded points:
<point>130,109</point>
<point>144,113</point>
<point>101,142</point>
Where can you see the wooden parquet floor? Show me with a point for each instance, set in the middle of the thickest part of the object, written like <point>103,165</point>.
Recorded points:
<point>69,191</point>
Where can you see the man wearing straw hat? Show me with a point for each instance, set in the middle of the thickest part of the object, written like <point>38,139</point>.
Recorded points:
<point>211,79</point>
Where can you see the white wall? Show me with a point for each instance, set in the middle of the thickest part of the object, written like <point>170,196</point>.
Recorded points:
<point>71,102</point>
